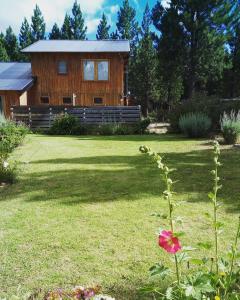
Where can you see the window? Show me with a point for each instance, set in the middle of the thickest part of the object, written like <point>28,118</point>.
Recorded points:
<point>67,100</point>
<point>98,101</point>
<point>44,100</point>
<point>102,70</point>
<point>88,70</point>
<point>96,70</point>
<point>62,67</point>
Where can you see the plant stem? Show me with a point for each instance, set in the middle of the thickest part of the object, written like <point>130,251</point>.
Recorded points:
<point>215,204</point>
<point>234,250</point>
<point>171,222</point>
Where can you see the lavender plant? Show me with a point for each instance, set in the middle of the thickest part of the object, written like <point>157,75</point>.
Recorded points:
<point>201,280</point>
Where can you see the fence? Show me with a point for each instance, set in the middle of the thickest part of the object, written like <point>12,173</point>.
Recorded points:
<point>42,117</point>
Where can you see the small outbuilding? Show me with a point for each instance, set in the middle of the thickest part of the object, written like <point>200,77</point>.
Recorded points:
<point>15,82</point>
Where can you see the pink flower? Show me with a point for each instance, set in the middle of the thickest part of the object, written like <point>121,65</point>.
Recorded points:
<point>169,242</point>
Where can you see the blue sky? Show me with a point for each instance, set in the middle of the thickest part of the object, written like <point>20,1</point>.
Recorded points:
<point>12,12</point>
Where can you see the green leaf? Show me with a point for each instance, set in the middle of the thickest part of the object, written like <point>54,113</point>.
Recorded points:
<point>205,245</point>
<point>219,225</point>
<point>160,270</point>
<point>182,256</point>
<point>169,293</point>
<point>211,196</point>
<point>179,234</point>
<point>196,261</point>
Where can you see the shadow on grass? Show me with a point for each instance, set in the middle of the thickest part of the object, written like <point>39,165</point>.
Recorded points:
<point>130,178</point>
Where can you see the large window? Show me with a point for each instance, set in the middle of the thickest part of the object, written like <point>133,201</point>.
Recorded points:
<point>62,67</point>
<point>102,70</point>
<point>89,72</point>
<point>96,70</point>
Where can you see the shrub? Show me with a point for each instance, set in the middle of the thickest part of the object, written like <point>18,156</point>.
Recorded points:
<point>8,172</point>
<point>195,124</point>
<point>211,106</point>
<point>106,129</point>
<point>12,135</point>
<point>81,129</point>
<point>230,126</point>
<point>69,125</point>
<point>63,125</point>
<point>123,129</point>
<point>142,126</point>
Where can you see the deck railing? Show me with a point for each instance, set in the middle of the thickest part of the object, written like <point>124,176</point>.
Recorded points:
<point>42,117</point>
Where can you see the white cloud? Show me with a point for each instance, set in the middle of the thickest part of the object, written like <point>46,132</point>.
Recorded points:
<point>92,25</point>
<point>12,12</point>
<point>114,9</point>
<point>166,3</point>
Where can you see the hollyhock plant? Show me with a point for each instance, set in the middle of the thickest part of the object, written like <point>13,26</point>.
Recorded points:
<point>212,276</point>
<point>169,242</point>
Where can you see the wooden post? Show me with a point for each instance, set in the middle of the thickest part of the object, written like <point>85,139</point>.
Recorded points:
<point>12,113</point>
<point>30,117</point>
<point>50,117</point>
<point>121,115</point>
<point>84,115</point>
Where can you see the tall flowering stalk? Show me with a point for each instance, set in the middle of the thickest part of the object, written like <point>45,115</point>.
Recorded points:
<point>167,240</point>
<point>213,197</point>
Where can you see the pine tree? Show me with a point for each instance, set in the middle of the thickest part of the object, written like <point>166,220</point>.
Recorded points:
<point>103,29</point>
<point>114,35</point>
<point>144,85</point>
<point>11,45</point>
<point>55,34</point>
<point>3,53</point>
<point>234,43</point>
<point>77,23</point>
<point>171,46</point>
<point>127,25</point>
<point>38,25</point>
<point>66,30</point>
<point>200,25</point>
<point>25,34</point>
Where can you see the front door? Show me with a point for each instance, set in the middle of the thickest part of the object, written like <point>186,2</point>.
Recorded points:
<point>1,107</point>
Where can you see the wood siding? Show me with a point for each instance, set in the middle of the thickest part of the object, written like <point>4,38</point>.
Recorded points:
<point>10,98</point>
<point>56,86</point>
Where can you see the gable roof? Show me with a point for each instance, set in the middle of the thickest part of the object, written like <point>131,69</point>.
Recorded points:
<point>15,76</point>
<point>78,46</point>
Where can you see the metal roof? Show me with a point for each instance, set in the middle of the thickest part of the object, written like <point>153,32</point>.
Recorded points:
<point>15,76</point>
<point>79,46</point>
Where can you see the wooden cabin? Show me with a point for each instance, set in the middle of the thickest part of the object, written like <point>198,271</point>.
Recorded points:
<point>69,72</point>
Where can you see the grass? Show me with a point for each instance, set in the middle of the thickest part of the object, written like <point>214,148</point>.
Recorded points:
<point>80,212</point>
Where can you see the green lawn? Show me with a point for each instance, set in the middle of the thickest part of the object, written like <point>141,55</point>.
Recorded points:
<point>81,211</point>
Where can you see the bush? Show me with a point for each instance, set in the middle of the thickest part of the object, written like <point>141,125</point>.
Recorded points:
<point>195,124</point>
<point>8,172</point>
<point>64,125</point>
<point>230,126</point>
<point>12,135</point>
<point>211,106</point>
<point>142,126</point>
<point>69,125</point>
<point>106,129</point>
